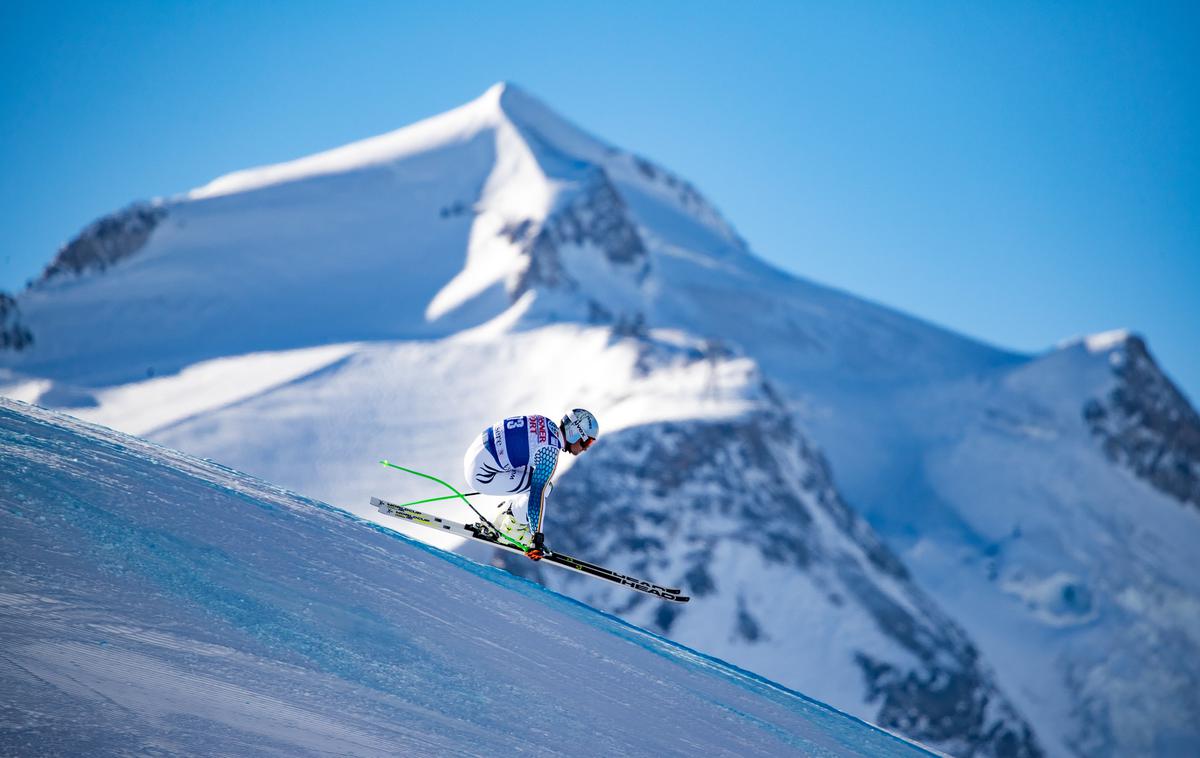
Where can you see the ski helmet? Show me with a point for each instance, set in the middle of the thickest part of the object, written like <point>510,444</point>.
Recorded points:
<point>580,426</point>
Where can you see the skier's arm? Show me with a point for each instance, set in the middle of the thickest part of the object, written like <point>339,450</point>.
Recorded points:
<point>545,460</point>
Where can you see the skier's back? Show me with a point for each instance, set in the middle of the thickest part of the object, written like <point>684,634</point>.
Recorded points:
<point>518,456</point>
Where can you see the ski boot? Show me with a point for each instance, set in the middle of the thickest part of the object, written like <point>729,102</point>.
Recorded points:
<point>514,528</point>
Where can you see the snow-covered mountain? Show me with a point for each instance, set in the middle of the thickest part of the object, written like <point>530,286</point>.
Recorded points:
<point>391,297</point>
<point>155,604</point>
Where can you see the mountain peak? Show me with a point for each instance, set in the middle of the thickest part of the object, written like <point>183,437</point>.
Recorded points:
<point>451,127</point>
<point>502,103</point>
<point>494,97</point>
<point>1105,341</point>
<point>551,136</point>
<point>501,90</point>
<point>515,102</point>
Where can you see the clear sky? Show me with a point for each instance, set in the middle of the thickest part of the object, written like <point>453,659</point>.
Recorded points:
<point>1020,172</point>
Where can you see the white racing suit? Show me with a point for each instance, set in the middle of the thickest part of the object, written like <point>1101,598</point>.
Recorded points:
<point>514,457</point>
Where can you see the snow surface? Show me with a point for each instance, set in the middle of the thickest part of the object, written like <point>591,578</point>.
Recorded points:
<point>155,603</point>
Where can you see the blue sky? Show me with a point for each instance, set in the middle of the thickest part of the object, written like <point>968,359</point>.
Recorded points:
<point>1020,172</point>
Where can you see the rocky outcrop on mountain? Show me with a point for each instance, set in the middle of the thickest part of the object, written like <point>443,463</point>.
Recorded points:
<point>700,502</point>
<point>686,196</point>
<point>594,217</point>
<point>13,334</point>
<point>1146,424</point>
<point>106,241</point>
<point>946,701</point>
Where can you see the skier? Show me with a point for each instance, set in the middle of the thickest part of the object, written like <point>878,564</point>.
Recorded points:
<point>519,455</point>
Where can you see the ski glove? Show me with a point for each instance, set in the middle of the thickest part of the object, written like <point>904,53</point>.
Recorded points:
<point>537,552</point>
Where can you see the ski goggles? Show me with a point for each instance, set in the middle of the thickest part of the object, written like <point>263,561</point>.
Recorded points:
<point>586,441</point>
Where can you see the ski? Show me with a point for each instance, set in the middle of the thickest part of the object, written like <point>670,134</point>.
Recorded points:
<point>484,533</point>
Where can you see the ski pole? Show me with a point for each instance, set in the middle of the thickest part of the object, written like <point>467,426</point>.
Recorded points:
<point>460,496</point>
<point>435,499</point>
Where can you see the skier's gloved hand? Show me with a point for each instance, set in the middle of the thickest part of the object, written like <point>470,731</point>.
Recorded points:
<point>537,552</point>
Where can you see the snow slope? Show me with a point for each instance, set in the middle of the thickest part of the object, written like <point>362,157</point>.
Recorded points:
<point>155,603</point>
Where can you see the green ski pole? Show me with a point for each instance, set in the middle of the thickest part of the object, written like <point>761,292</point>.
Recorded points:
<point>436,499</point>
<point>460,496</point>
